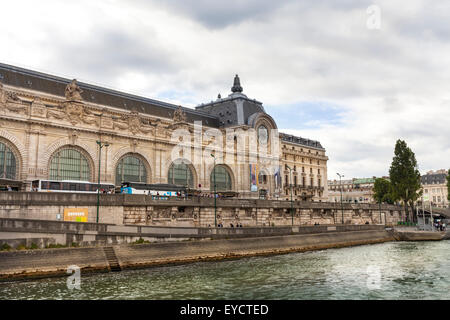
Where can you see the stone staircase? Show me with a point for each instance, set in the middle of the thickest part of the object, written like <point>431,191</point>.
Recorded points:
<point>113,262</point>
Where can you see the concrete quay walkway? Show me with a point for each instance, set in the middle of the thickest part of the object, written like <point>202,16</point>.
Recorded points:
<point>25,264</point>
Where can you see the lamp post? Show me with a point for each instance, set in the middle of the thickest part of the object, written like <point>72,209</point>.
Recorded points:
<point>292,204</point>
<point>379,206</point>
<point>215,195</point>
<point>101,145</point>
<point>342,206</point>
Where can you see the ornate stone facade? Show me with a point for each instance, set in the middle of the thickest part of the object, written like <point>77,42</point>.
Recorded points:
<point>40,115</point>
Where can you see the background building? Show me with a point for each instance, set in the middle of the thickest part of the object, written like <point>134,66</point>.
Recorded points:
<point>355,190</point>
<point>434,184</point>
<point>49,128</point>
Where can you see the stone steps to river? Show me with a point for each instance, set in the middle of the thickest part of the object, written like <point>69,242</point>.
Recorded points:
<point>113,262</point>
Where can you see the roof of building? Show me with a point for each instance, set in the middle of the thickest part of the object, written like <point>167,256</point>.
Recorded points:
<point>435,178</point>
<point>236,109</point>
<point>363,180</point>
<point>28,79</point>
<point>300,141</point>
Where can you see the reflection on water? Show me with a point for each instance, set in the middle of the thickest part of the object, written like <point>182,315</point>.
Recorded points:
<point>395,270</point>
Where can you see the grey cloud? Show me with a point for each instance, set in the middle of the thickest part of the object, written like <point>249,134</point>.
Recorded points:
<point>392,81</point>
<point>110,53</point>
<point>220,14</point>
<point>428,23</point>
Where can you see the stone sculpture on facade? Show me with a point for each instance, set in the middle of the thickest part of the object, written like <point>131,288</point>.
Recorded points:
<point>131,122</point>
<point>73,109</point>
<point>73,91</point>
<point>179,115</point>
<point>2,95</point>
<point>11,101</point>
<point>38,108</point>
<point>74,112</point>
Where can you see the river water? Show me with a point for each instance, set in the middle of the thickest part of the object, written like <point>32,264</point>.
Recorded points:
<point>393,270</point>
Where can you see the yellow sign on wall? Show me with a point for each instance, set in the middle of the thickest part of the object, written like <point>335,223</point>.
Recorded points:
<point>76,214</point>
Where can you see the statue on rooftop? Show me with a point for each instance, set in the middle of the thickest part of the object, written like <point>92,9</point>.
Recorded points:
<point>73,91</point>
<point>179,115</point>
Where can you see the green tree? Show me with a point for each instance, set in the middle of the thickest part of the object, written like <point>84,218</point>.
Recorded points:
<point>383,191</point>
<point>404,175</point>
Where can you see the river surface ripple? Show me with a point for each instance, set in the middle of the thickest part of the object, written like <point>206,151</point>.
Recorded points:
<point>393,270</point>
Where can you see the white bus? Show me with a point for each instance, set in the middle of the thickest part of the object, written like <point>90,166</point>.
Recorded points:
<point>69,186</point>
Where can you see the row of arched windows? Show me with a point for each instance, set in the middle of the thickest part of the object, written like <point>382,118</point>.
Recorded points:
<point>72,164</point>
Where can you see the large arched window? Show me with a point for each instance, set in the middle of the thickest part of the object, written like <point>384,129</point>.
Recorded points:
<point>181,174</point>
<point>130,169</point>
<point>7,163</point>
<point>262,177</point>
<point>69,164</point>
<point>222,177</point>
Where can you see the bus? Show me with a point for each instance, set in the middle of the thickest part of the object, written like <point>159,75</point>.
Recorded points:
<point>10,185</point>
<point>69,186</point>
<point>157,190</point>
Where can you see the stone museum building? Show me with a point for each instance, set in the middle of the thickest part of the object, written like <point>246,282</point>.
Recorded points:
<point>53,128</point>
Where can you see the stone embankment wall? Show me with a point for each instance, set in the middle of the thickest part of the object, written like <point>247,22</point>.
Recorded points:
<point>41,233</point>
<point>122,209</point>
<point>54,262</point>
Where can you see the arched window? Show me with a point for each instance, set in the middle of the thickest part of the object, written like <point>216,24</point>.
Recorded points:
<point>130,169</point>
<point>262,177</point>
<point>69,164</point>
<point>181,174</point>
<point>7,163</point>
<point>222,177</point>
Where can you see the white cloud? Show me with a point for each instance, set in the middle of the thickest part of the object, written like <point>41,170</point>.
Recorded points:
<point>392,82</point>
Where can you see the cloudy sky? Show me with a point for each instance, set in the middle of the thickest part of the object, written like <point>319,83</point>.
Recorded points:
<point>323,69</point>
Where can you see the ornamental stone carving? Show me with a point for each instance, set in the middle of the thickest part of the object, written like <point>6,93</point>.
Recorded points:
<point>38,108</point>
<point>131,122</point>
<point>179,115</point>
<point>11,101</point>
<point>161,130</point>
<point>73,136</point>
<point>107,121</point>
<point>75,112</point>
<point>73,91</point>
<point>134,122</point>
<point>2,95</point>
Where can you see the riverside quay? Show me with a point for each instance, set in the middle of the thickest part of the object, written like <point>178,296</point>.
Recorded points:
<point>57,129</point>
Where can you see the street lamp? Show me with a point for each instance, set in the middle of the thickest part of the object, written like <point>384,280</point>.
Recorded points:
<point>101,145</point>
<point>292,208</point>
<point>379,205</point>
<point>342,206</point>
<point>215,195</point>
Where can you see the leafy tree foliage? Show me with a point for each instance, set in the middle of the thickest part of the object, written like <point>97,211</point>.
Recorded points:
<point>383,191</point>
<point>404,175</point>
